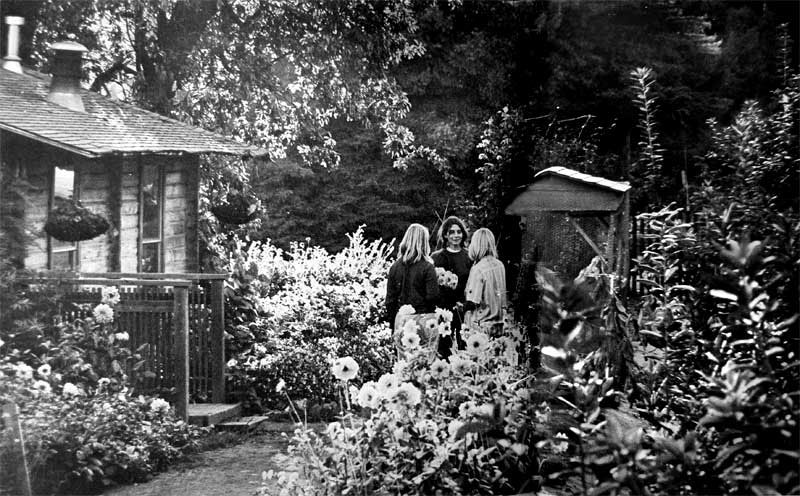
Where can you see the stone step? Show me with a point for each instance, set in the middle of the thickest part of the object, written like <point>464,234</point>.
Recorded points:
<point>207,414</point>
<point>242,424</point>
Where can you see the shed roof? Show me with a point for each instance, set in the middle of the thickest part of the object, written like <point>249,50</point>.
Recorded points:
<point>108,127</point>
<point>558,189</point>
<point>584,178</point>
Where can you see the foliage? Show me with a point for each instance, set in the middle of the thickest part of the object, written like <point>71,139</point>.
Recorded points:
<point>648,168</point>
<point>307,307</point>
<point>458,427</point>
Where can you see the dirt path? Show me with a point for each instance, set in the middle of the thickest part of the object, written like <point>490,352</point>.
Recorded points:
<point>230,471</point>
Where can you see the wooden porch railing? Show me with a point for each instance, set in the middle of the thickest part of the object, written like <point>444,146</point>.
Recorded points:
<point>179,316</point>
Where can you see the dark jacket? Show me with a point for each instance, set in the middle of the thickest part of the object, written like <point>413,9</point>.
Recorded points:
<point>414,284</point>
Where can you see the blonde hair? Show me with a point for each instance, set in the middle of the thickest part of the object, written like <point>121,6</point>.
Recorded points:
<point>415,244</point>
<point>482,244</point>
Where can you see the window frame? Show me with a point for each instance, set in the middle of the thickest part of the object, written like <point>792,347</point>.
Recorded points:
<point>75,246</point>
<point>141,242</point>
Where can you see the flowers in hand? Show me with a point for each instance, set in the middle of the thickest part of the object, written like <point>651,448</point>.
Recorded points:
<point>344,368</point>
<point>446,278</point>
<point>406,310</point>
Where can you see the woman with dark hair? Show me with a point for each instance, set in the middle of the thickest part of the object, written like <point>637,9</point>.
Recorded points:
<point>451,255</point>
<point>412,278</point>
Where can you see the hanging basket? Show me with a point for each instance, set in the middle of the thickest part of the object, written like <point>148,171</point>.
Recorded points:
<point>239,209</point>
<point>69,221</point>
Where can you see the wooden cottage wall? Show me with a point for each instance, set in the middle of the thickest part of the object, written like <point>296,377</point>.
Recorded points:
<point>94,186</point>
<point>129,215</point>
<point>180,213</point>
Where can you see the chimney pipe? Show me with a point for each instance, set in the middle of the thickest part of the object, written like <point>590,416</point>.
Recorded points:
<point>65,87</point>
<point>11,62</point>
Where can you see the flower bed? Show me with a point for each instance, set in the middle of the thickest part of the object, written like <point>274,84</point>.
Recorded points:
<point>457,427</point>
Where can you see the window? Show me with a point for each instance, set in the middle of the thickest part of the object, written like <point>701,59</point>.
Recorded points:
<point>151,218</point>
<point>63,255</point>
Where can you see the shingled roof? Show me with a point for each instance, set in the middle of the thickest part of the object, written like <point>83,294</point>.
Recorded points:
<point>108,127</point>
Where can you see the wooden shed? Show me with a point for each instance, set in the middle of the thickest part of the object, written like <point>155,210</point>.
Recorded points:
<point>136,168</point>
<point>570,217</point>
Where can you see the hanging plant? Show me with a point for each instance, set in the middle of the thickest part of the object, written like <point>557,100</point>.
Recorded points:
<point>238,208</point>
<point>70,221</point>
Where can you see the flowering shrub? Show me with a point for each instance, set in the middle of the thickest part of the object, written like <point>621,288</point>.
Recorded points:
<point>457,427</point>
<point>83,427</point>
<point>312,307</point>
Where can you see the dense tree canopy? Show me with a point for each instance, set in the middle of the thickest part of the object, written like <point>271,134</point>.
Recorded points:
<point>430,87</point>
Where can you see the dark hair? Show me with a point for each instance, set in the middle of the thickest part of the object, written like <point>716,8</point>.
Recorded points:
<point>449,222</point>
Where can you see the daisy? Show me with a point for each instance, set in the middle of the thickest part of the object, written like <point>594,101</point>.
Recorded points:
<point>44,370</point>
<point>407,394</point>
<point>103,314</point>
<point>440,369</point>
<point>368,395</point>
<point>110,295</point>
<point>444,315</point>
<point>344,368</point>
<point>410,341</point>
<point>42,386</point>
<point>477,343</point>
<point>460,366</point>
<point>23,370</point>
<point>388,383</point>
<point>430,325</point>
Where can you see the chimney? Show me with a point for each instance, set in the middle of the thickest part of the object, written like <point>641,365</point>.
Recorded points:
<point>65,87</point>
<point>11,60</point>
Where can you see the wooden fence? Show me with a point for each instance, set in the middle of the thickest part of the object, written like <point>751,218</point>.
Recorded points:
<point>180,319</point>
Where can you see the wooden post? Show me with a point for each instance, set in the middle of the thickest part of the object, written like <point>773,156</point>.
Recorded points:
<point>217,300</point>
<point>11,420</point>
<point>180,320</point>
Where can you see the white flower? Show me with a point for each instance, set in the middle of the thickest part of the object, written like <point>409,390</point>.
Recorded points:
<point>42,386</point>
<point>406,310</point>
<point>103,382</point>
<point>232,363</point>
<point>440,369</point>
<point>159,405</point>
<point>344,368</point>
<point>103,314</point>
<point>466,408</point>
<point>399,368</point>
<point>44,370</point>
<point>24,371</point>
<point>460,366</point>
<point>427,427</point>
<point>110,295</point>
<point>387,384</point>
<point>70,389</point>
<point>410,326</point>
<point>280,386</point>
<point>431,324</point>
<point>410,340</point>
<point>477,343</point>
<point>334,430</point>
<point>444,329</point>
<point>122,336</point>
<point>444,315</point>
<point>368,395</point>
<point>406,394</point>
<point>562,444</point>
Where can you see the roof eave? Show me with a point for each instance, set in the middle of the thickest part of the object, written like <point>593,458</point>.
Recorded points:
<point>55,143</point>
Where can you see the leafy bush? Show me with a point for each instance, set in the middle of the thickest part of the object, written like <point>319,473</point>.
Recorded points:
<point>311,307</point>
<point>457,427</point>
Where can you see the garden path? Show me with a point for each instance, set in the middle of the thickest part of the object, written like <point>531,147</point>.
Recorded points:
<point>233,470</point>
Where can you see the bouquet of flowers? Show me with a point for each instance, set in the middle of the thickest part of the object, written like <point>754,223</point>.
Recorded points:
<point>446,278</point>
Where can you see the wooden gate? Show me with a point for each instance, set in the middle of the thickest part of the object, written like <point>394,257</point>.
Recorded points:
<point>180,319</point>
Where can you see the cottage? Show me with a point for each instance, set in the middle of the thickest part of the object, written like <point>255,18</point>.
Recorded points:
<point>137,169</point>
